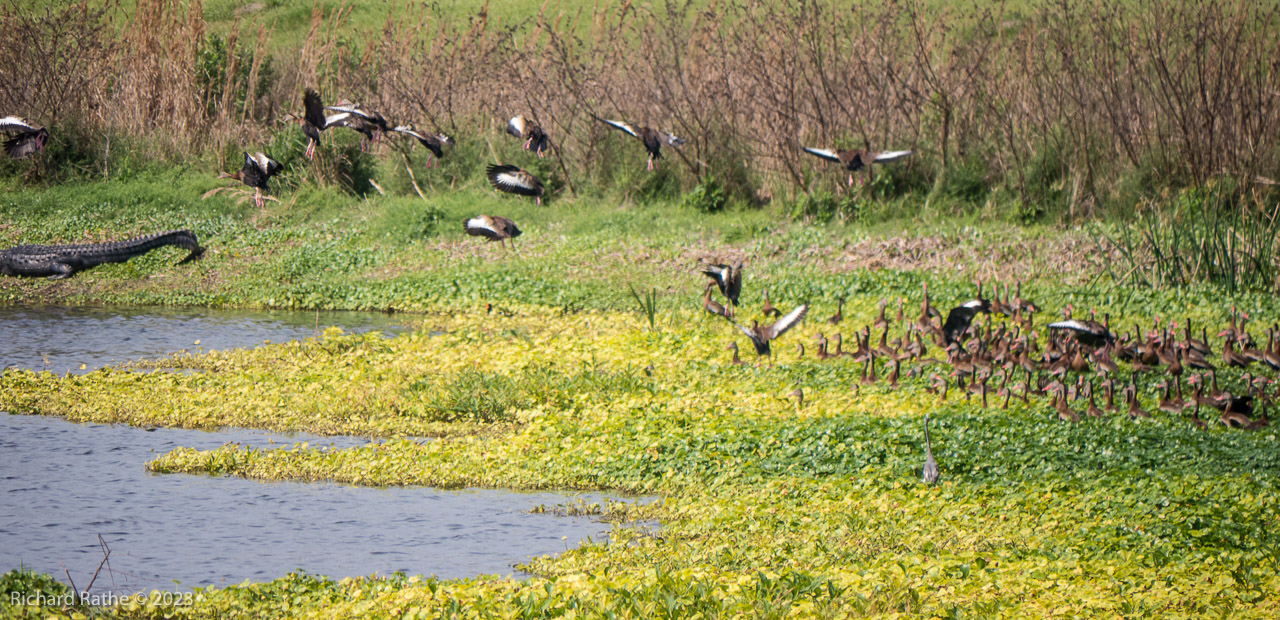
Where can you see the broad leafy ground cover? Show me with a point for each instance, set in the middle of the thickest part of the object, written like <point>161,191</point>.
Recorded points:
<point>768,508</point>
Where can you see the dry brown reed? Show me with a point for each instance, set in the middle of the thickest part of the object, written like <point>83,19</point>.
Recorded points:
<point>1067,101</point>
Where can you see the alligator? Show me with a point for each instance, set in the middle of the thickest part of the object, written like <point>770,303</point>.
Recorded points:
<point>62,261</point>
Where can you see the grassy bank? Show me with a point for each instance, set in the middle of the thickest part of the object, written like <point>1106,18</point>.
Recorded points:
<point>323,248</point>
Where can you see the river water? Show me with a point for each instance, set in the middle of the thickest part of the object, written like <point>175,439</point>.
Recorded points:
<point>62,339</point>
<point>64,484</point>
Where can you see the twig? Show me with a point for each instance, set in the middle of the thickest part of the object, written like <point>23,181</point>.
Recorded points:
<point>412,179</point>
<point>492,152</point>
<point>75,593</point>
<point>106,554</point>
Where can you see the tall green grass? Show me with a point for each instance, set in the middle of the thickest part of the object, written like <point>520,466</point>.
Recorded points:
<point>1202,236</point>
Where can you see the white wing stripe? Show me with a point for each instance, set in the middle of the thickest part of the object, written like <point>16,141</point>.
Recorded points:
<point>623,126</point>
<point>476,222</point>
<point>1072,324</point>
<point>507,178</point>
<point>789,321</point>
<point>891,155</point>
<point>336,118</point>
<point>823,153</point>
<point>10,123</point>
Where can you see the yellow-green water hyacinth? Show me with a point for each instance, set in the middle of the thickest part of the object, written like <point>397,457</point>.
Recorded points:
<point>767,508</point>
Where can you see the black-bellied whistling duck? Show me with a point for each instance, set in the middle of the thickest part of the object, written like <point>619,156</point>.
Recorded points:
<point>883,349</point>
<point>514,180</point>
<point>370,125</point>
<point>768,309</point>
<point>839,350</point>
<point>1165,352</point>
<point>1262,421</point>
<point>1234,419</point>
<point>1191,358</point>
<point>893,377</point>
<point>652,138</point>
<point>1196,421</point>
<point>434,142</point>
<point>962,365</point>
<point>927,311</point>
<point>856,159</point>
<point>1250,352</point>
<point>761,335</point>
<point>929,474</point>
<point>1111,397</point>
<point>1166,403</point>
<point>1231,358</point>
<point>1232,331</point>
<point>869,372</point>
<point>1135,410</point>
<point>839,315</point>
<point>900,317</point>
<point>28,137</point>
<point>315,121</point>
<point>712,306</point>
<point>915,343</point>
<point>864,345</point>
<point>1060,404</point>
<point>1198,397</point>
<point>1078,363</point>
<point>1201,345</point>
<point>1134,407</point>
<point>1089,332</point>
<point>737,361</point>
<point>959,319</point>
<point>535,139</point>
<point>1092,411</point>
<point>492,227</point>
<point>1002,306</point>
<point>1175,363</point>
<point>1025,305</point>
<point>797,394</point>
<point>1271,356</point>
<point>727,277</point>
<point>1102,359</point>
<point>257,170</point>
<point>881,321</point>
<point>820,343</point>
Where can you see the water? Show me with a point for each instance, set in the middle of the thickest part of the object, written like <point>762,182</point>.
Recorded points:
<point>63,484</point>
<point>62,339</point>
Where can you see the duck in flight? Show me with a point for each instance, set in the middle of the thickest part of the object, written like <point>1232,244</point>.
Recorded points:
<point>856,159</point>
<point>652,138</point>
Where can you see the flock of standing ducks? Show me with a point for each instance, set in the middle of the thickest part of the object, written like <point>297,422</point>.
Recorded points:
<point>1002,357</point>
